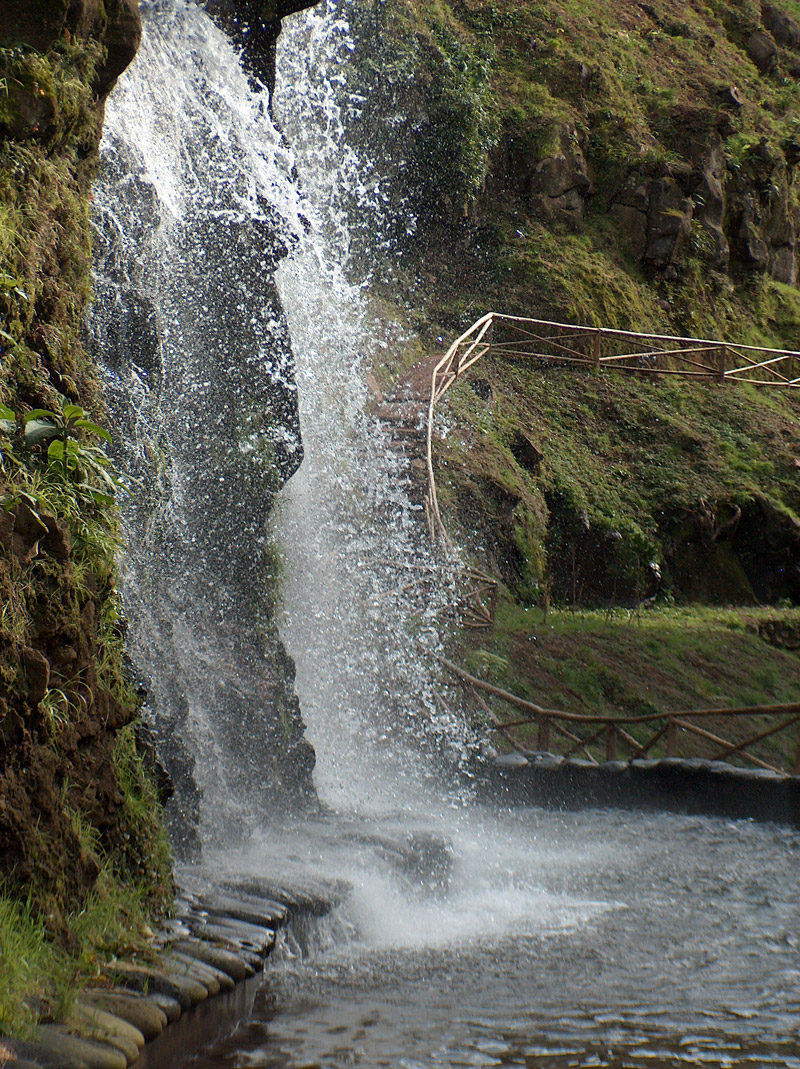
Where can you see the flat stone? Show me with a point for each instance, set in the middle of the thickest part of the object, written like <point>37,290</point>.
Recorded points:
<point>169,1006</point>
<point>91,1022</point>
<point>216,976</point>
<point>579,762</point>
<point>35,1056</point>
<point>87,1053</point>
<point>188,992</point>
<point>266,913</point>
<point>696,763</point>
<point>226,961</point>
<point>510,760</point>
<point>137,1010</point>
<point>260,939</point>
<point>258,890</point>
<point>766,774</point>
<point>614,766</point>
<point>181,965</point>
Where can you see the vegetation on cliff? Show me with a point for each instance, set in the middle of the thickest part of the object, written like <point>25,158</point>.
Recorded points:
<point>83,857</point>
<point>630,166</point>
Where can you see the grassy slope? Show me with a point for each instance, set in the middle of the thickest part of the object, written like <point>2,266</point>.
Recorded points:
<point>621,663</point>
<point>472,94</point>
<point>487,88</point>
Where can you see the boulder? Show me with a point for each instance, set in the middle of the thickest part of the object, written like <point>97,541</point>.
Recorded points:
<point>629,210</point>
<point>137,1010</point>
<point>783,27</point>
<point>669,223</point>
<point>221,959</point>
<point>40,23</point>
<point>763,51</point>
<point>559,183</point>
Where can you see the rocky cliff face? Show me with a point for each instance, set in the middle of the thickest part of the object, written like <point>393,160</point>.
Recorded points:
<point>632,166</point>
<point>74,799</point>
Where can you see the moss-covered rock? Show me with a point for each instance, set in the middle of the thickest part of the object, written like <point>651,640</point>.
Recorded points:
<point>80,820</point>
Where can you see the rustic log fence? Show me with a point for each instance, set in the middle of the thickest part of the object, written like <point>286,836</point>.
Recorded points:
<point>599,738</point>
<point>554,344</point>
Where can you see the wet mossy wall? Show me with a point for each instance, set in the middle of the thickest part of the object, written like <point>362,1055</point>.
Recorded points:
<point>79,814</point>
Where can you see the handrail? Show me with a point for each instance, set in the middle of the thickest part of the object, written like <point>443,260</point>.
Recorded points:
<point>613,727</point>
<point>724,361</point>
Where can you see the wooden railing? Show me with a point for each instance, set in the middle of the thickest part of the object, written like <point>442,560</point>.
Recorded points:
<point>596,738</point>
<point>552,344</point>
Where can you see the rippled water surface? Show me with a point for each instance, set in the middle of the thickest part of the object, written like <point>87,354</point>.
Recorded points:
<point>589,939</point>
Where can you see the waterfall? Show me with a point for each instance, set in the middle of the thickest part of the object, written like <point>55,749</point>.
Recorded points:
<point>360,624</point>
<point>200,199</point>
<point>194,207</point>
<point>227,282</point>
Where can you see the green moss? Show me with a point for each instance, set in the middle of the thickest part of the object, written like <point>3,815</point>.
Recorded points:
<point>83,847</point>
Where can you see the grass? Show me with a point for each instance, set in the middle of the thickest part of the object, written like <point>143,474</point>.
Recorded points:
<point>624,663</point>
<point>625,464</point>
<point>40,978</point>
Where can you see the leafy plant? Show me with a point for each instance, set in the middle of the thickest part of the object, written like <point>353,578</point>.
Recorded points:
<point>85,466</point>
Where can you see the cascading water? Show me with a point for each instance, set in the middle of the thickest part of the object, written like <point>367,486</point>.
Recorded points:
<point>193,210</point>
<point>358,620</point>
<point>469,936</point>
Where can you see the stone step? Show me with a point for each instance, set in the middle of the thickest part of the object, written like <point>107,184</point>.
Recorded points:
<point>93,1023</point>
<point>138,1010</point>
<point>187,991</point>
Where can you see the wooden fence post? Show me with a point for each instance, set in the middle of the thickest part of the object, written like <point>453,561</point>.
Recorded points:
<point>723,355</point>
<point>543,740</point>
<point>597,347</point>
<point>611,742</point>
<point>672,738</point>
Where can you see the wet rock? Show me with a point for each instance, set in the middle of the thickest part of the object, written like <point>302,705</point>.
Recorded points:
<point>267,913</point>
<point>123,34</point>
<point>138,1010</point>
<point>83,1053</point>
<point>30,1055</point>
<point>215,980</point>
<point>169,1006</point>
<point>257,938</point>
<point>511,760</point>
<point>763,51</point>
<point>90,1022</point>
<point>255,26</point>
<point>186,991</point>
<point>223,960</point>
<point>40,23</point>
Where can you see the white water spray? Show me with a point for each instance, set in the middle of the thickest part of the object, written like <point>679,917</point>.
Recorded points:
<point>362,632</point>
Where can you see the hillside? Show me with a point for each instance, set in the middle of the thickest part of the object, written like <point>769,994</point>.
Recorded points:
<point>626,165</point>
